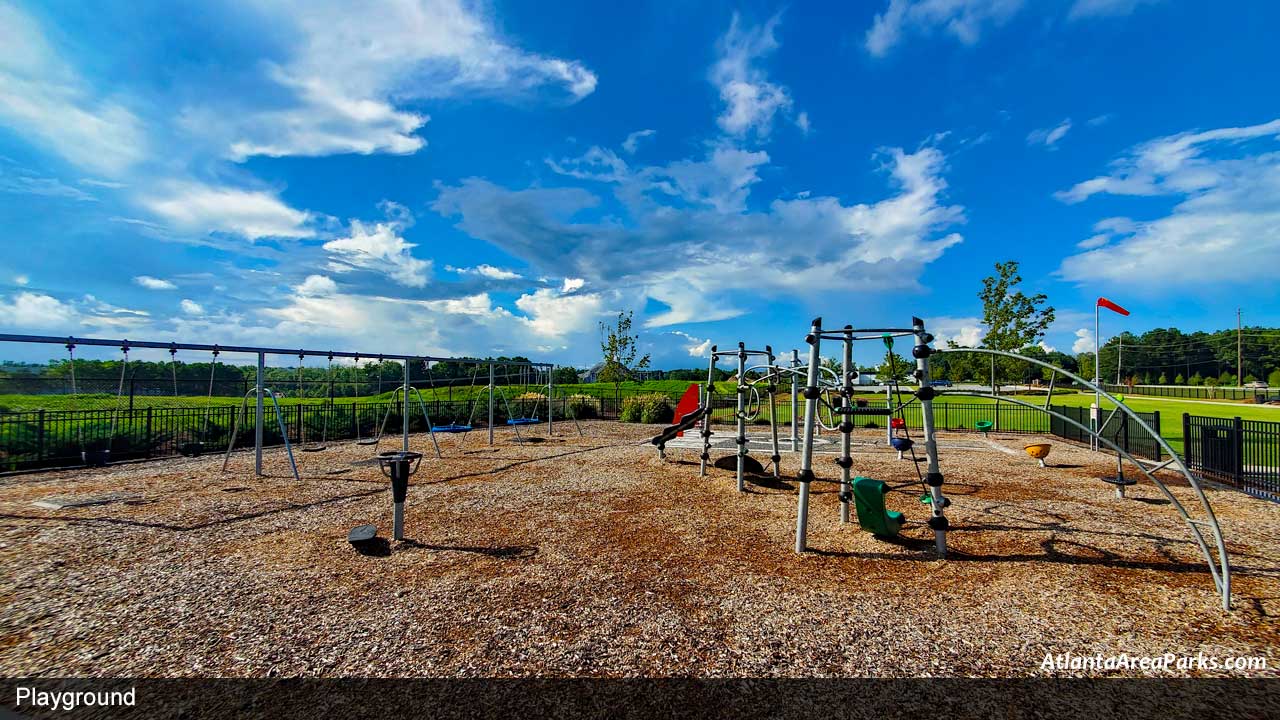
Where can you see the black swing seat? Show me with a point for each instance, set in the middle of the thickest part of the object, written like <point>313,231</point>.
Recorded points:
<point>96,458</point>
<point>452,428</point>
<point>367,441</point>
<point>191,449</point>
<point>1118,480</point>
<point>315,448</point>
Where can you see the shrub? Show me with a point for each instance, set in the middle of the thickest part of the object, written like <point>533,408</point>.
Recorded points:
<point>581,407</point>
<point>1274,378</point>
<point>648,408</point>
<point>1179,380</point>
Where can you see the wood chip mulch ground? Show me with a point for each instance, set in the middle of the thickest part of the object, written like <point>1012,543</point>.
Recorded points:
<point>588,556</point>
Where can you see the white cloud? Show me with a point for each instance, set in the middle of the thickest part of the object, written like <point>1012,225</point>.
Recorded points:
<point>964,331</point>
<point>1094,241</point>
<point>692,243</point>
<point>750,99</point>
<point>46,101</point>
<point>191,307</point>
<point>352,75</point>
<point>554,315</point>
<point>378,248</point>
<point>22,182</point>
<point>1083,342</point>
<point>695,347</point>
<point>572,284</point>
<point>316,286</point>
<point>1046,347</point>
<point>21,280</point>
<point>1226,227</point>
<point>35,311</point>
<point>962,19</point>
<point>1081,9</point>
<point>632,143</point>
<point>252,214</point>
<point>489,271</point>
<point>48,315</point>
<point>153,283</point>
<point>1049,137</point>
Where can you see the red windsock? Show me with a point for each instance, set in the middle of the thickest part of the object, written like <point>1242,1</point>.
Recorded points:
<point>1103,302</point>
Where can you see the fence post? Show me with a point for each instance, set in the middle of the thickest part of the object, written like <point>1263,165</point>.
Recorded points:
<point>997,422</point>
<point>1124,429</point>
<point>1155,424</point>
<point>132,383</point>
<point>1186,438</point>
<point>1237,464</point>
<point>355,421</point>
<point>301,428</point>
<point>40,437</point>
<point>150,444</point>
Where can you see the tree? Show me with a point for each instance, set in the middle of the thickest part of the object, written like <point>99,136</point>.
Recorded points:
<point>1162,380</point>
<point>1196,380</point>
<point>620,349</point>
<point>1179,380</point>
<point>895,368</point>
<point>565,376</point>
<point>1274,378</point>
<point>1014,320</point>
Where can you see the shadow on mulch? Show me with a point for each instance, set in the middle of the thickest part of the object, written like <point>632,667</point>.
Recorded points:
<point>505,552</point>
<point>770,482</point>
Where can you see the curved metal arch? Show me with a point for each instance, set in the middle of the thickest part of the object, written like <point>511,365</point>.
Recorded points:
<point>1219,569</point>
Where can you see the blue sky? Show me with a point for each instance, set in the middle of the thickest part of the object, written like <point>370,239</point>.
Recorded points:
<point>473,178</point>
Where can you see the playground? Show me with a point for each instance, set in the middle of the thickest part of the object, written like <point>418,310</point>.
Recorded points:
<point>587,555</point>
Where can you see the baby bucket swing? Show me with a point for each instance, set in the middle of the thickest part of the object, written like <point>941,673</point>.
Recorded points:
<point>98,457</point>
<point>373,440</point>
<point>196,448</point>
<point>328,409</point>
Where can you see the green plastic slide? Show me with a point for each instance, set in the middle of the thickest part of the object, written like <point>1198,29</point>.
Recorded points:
<point>868,496</point>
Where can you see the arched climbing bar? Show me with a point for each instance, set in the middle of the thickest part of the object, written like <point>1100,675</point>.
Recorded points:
<point>1219,569</point>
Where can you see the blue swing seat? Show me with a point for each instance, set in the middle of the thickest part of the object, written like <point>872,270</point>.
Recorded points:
<point>523,421</point>
<point>452,428</point>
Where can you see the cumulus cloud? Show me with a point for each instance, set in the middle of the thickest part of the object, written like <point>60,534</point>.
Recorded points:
<point>553,314</point>
<point>191,307</point>
<point>572,285</point>
<point>1049,137</point>
<point>1228,182</point>
<point>1083,342</point>
<point>751,100</point>
<point>153,283</point>
<point>379,248</point>
<point>693,242</point>
<point>251,214</point>
<point>50,315</point>
<point>963,331</point>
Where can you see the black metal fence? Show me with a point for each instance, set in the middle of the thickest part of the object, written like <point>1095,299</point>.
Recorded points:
<point>56,438</point>
<point>1197,392</point>
<point>1005,418</point>
<point>1242,453</point>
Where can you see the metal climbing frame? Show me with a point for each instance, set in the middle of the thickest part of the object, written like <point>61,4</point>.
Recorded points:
<point>1219,567</point>
<point>847,336</point>
<point>742,413</point>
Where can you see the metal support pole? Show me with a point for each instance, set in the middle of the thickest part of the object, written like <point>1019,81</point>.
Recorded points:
<point>706,418</point>
<point>846,426</point>
<point>933,478</point>
<point>743,388</point>
<point>491,389</point>
<point>258,415</point>
<point>810,415</point>
<point>404,443</point>
<point>795,402</point>
<point>772,387</point>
